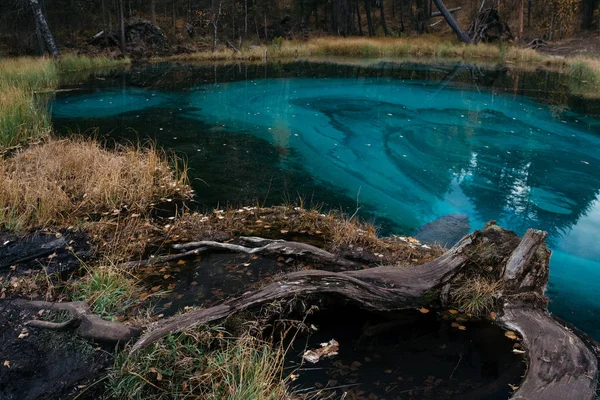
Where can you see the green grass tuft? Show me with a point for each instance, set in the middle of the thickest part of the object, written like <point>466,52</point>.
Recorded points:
<point>201,364</point>
<point>107,290</point>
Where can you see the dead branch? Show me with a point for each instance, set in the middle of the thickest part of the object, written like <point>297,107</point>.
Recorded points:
<point>274,247</point>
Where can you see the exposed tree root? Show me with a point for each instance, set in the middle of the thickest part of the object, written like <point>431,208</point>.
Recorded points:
<point>84,322</point>
<point>560,365</point>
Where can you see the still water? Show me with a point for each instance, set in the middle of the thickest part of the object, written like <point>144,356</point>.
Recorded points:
<point>408,143</point>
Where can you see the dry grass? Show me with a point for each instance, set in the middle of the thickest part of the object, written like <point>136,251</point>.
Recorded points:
<point>60,181</point>
<point>333,231</point>
<point>428,46</point>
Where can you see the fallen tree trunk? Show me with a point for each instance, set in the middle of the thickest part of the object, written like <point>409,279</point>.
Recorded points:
<point>462,36</point>
<point>560,364</point>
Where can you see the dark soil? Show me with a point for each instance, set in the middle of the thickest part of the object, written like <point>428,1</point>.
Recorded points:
<point>55,252</point>
<point>41,364</point>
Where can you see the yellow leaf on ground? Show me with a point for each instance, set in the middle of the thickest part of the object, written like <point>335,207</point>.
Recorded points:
<point>453,312</point>
<point>424,310</point>
<point>511,335</point>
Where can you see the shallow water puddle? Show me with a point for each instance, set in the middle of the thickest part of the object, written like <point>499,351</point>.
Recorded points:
<point>406,355</point>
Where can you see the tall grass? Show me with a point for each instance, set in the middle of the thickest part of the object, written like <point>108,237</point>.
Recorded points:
<point>23,115</point>
<point>72,62</point>
<point>28,73</point>
<point>60,181</point>
<point>201,364</point>
<point>584,75</point>
<point>24,81</point>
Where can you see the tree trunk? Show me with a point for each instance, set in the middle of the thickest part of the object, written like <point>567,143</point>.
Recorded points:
<point>369,19</point>
<point>245,18</point>
<point>587,13</point>
<point>122,25</point>
<point>384,24</point>
<point>153,11</point>
<point>358,20</point>
<point>174,16</point>
<point>40,41</point>
<point>462,36</point>
<point>42,26</point>
<point>521,8</point>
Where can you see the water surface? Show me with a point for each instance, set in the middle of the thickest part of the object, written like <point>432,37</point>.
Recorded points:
<point>407,143</point>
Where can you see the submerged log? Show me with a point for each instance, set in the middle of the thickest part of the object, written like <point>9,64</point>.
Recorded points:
<point>560,365</point>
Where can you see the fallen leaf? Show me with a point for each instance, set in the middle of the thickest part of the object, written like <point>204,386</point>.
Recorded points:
<point>493,316</point>
<point>284,231</point>
<point>6,363</point>
<point>181,262</point>
<point>462,328</point>
<point>513,387</point>
<point>511,335</point>
<point>455,325</point>
<point>328,349</point>
<point>517,351</point>
<point>453,312</point>
<point>424,310</point>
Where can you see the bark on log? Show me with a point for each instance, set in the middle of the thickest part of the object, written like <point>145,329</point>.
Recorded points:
<point>42,25</point>
<point>86,324</point>
<point>560,366</point>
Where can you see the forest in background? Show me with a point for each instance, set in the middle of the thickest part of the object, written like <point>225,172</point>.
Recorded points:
<point>74,22</point>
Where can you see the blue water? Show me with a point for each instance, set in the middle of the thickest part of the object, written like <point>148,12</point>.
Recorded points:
<point>408,150</point>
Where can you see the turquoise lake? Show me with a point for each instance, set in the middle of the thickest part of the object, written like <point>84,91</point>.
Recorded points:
<point>409,143</point>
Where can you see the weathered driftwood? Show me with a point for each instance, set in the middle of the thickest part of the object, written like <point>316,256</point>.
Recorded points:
<point>273,247</point>
<point>85,323</point>
<point>560,365</point>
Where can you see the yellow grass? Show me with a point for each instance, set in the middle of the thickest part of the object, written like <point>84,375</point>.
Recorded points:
<point>60,181</point>
<point>427,46</point>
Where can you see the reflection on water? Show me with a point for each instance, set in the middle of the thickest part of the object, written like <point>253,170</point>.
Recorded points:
<point>410,143</point>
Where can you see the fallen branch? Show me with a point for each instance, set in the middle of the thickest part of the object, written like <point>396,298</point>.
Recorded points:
<point>273,247</point>
<point>235,49</point>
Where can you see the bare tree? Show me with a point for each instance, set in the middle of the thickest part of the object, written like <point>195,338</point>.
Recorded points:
<point>214,21</point>
<point>122,30</point>
<point>42,26</point>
